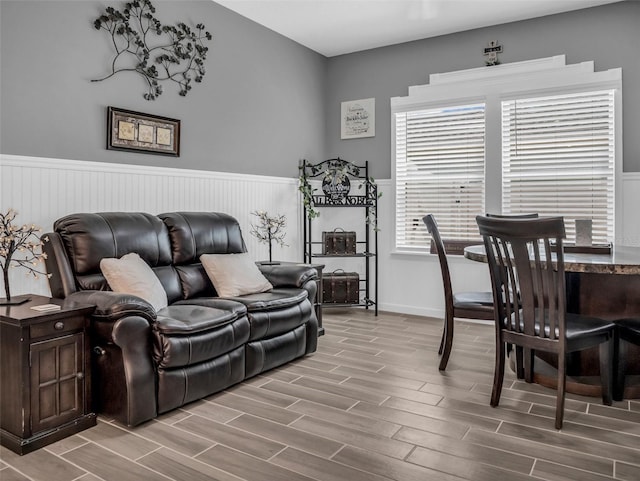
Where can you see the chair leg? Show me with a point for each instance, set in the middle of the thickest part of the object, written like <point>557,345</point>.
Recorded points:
<point>444,334</point>
<point>498,374</point>
<point>519,362</point>
<point>606,370</point>
<point>620,367</point>
<point>562,381</point>
<point>528,364</point>
<point>447,337</point>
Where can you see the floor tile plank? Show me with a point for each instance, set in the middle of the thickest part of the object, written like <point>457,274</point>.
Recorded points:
<point>349,419</point>
<point>257,408</point>
<point>119,440</point>
<point>180,467</point>
<point>342,434</point>
<point>389,467</point>
<point>320,468</point>
<point>594,447</point>
<point>39,465</point>
<point>464,468</point>
<point>231,437</point>
<point>485,454</point>
<point>405,418</point>
<point>308,440</point>
<point>247,467</point>
<point>554,454</point>
<point>109,467</point>
<point>310,394</point>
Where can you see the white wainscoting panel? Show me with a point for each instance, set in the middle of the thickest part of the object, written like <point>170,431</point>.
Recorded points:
<point>43,190</point>
<point>630,235</point>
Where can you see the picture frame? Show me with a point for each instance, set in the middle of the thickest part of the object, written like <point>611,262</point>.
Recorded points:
<point>143,133</point>
<point>358,119</point>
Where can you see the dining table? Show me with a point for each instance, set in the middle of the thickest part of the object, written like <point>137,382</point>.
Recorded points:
<point>600,282</point>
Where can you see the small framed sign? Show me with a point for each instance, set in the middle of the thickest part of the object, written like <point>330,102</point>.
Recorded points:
<point>358,119</point>
<point>138,132</point>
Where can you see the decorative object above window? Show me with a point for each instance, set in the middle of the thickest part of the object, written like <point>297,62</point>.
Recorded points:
<point>159,53</point>
<point>491,51</point>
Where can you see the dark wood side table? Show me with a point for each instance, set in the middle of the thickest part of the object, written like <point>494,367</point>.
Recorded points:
<point>318,303</point>
<point>45,373</point>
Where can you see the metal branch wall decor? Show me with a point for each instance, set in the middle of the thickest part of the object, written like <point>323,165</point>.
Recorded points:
<point>159,53</point>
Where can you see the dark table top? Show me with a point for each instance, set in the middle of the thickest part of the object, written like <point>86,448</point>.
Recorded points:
<point>621,260</point>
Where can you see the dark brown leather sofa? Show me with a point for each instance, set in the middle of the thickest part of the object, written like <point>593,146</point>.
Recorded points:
<point>147,362</point>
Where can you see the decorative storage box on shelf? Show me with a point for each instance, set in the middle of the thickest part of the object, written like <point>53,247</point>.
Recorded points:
<point>341,287</point>
<point>338,242</point>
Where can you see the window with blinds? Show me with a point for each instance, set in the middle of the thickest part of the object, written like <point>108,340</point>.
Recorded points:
<point>558,159</point>
<point>440,168</point>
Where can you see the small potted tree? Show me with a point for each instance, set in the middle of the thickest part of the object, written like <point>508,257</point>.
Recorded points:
<point>269,230</point>
<point>23,241</point>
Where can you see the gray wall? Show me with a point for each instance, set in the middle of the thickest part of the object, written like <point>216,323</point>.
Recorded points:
<point>608,35</point>
<point>259,109</point>
<point>266,102</point>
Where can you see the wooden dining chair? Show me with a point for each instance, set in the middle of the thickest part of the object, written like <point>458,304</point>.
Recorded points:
<point>519,253</point>
<point>627,331</point>
<point>467,305</point>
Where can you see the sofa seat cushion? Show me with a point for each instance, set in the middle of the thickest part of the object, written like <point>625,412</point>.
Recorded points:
<point>278,298</point>
<point>215,302</point>
<point>188,319</point>
<point>273,314</point>
<point>187,334</point>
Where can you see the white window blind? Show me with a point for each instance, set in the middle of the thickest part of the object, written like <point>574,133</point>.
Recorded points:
<point>440,156</point>
<point>558,159</point>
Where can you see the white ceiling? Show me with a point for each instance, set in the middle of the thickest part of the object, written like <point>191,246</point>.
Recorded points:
<point>335,27</point>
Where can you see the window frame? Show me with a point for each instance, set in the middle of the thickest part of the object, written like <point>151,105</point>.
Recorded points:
<point>492,85</point>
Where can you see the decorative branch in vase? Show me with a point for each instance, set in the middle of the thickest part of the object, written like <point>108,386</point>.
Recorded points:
<point>269,230</point>
<point>23,240</point>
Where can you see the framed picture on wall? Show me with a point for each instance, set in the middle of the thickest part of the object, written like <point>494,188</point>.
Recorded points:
<point>358,119</point>
<point>138,132</point>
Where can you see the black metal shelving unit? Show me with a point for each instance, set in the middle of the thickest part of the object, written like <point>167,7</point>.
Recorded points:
<point>368,202</point>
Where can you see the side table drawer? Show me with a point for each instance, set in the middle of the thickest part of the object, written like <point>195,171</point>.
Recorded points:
<point>56,327</point>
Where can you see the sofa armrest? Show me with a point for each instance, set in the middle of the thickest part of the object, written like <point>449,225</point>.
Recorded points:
<point>301,276</point>
<point>124,371</point>
<point>111,306</point>
<point>121,341</point>
<point>288,275</point>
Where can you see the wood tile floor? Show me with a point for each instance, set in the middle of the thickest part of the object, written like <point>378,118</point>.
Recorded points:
<point>370,405</point>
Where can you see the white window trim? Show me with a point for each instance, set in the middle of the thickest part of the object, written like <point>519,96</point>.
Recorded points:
<point>491,85</point>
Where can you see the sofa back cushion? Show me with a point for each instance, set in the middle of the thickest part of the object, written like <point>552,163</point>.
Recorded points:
<point>132,275</point>
<point>90,237</point>
<point>193,234</point>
